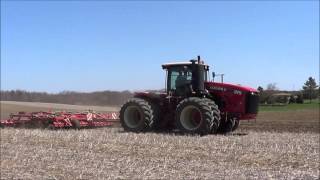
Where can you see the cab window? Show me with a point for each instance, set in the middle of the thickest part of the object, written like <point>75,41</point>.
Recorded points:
<point>178,76</point>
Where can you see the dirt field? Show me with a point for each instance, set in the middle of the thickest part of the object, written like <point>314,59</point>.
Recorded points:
<point>286,121</point>
<point>279,145</point>
<point>109,153</point>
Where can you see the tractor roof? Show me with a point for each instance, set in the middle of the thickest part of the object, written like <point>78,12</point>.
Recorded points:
<point>186,63</point>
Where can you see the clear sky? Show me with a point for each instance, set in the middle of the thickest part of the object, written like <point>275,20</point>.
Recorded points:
<point>92,46</point>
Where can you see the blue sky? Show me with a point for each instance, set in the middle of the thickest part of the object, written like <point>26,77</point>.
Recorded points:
<point>91,46</point>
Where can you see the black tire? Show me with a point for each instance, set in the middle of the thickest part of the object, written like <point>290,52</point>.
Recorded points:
<point>51,127</point>
<point>226,126</point>
<point>35,124</point>
<point>75,124</point>
<point>215,113</point>
<point>236,124</point>
<point>194,116</point>
<point>159,124</point>
<point>137,115</point>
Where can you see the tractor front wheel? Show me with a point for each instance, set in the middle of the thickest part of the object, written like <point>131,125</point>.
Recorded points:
<point>236,124</point>
<point>231,124</point>
<point>136,115</point>
<point>194,116</point>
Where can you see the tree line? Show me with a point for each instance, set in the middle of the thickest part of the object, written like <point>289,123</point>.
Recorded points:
<point>310,90</point>
<point>101,98</point>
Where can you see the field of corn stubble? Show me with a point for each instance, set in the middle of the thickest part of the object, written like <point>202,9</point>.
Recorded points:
<point>285,150</point>
<point>110,153</point>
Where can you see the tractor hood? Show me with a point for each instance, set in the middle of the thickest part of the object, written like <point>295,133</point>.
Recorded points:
<point>225,86</point>
<point>235,98</point>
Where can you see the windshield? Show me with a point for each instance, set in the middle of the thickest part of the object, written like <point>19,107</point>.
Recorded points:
<point>179,76</point>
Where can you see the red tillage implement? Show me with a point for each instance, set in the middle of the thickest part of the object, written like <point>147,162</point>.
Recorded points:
<point>60,119</point>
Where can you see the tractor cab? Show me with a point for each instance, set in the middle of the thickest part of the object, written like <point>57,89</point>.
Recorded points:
<point>186,78</point>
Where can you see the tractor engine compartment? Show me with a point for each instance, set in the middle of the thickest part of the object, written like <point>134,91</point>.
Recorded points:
<point>236,100</point>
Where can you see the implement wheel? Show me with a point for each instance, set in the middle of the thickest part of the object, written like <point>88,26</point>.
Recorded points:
<point>194,116</point>
<point>136,115</point>
<point>51,127</point>
<point>75,124</point>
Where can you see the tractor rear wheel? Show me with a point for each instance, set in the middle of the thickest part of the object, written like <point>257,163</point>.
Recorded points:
<point>136,115</point>
<point>216,114</point>
<point>194,116</point>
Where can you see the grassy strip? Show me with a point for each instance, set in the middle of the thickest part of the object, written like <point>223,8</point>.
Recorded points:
<point>315,104</point>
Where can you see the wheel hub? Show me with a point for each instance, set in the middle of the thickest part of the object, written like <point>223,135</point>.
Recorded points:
<point>190,117</point>
<point>132,116</point>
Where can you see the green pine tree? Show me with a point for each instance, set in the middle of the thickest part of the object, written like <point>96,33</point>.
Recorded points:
<point>309,88</point>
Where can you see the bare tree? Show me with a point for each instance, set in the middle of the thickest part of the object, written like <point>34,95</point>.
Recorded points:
<point>272,87</point>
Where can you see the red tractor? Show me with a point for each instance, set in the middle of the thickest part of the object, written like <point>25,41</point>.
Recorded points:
<point>190,104</point>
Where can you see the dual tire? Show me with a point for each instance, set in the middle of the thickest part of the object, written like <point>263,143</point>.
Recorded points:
<point>137,115</point>
<point>193,116</point>
<point>197,116</point>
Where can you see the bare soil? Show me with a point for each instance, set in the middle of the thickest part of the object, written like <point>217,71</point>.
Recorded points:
<point>285,121</point>
<point>110,153</point>
<point>279,145</point>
